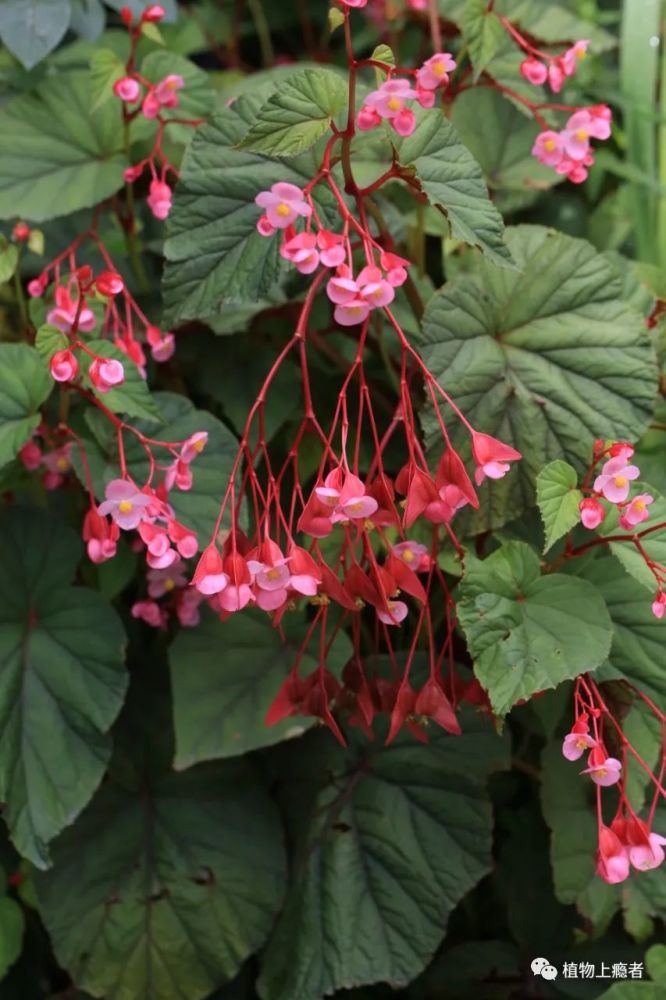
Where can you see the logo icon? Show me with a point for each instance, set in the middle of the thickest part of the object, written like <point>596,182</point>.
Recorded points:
<point>542,967</point>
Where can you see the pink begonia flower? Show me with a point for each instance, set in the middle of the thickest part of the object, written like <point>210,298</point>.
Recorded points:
<point>125,503</point>
<point>451,499</point>
<point>194,445</point>
<point>389,99</point>
<point>235,597</point>
<point>36,287</point>
<point>101,536</point>
<point>283,203</point>
<point>159,199</point>
<point>575,745</point>
<point>435,71</point>
<point>30,456</point>
<point>351,313</point>
<point>426,98</point>
<point>414,554</point>
<point>127,89</point>
<point>354,508</point>
<point>301,252</point>
<point>342,288</point>
<point>179,474</point>
<point>163,581</point>
<point>331,247</point>
<point>63,313</point>
<point>397,612</point>
<point>305,574</point>
<point>595,122</point>
<point>576,142</point>
<point>348,501</point>
<point>106,374</point>
<point>491,456</point>
<point>150,106</point>
<point>612,858</point>
<point>269,577</point>
<point>534,71</point>
<point>605,773</point>
<point>404,122</point>
<point>187,609</point>
<point>574,55</point>
<point>354,4</point>
<point>149,612</point>
<point>375,289</point>
<point>264,228</point>
<point>637,511</point>
<point>63,366</point>
<point>209,576</point>
<point>59,460</point>
<point>659,605</point>
<point>395,267</point>
<point>548,148</point>
<point>368,118</point>
<point>417,4</point>
<point>592,512</point>
<point>556,76</point>
<point>615,479</point>
<point>648,856</point>
<point>162,345</point>
<point>186,541</point>
<point>166,90</point>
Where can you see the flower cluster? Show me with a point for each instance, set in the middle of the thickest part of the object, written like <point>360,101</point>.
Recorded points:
<point>540,67</point>
<point>390,101</point>
<point>569,151</point>
<point>56,460</point>
<point>613,484</point>
<point>629,841</point>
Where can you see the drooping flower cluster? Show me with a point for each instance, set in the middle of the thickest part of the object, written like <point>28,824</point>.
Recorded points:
<point>569,151</point>
<point>540,67</point>
<point>629,842</point>
<point>390,102</point>
<point>613,485</point>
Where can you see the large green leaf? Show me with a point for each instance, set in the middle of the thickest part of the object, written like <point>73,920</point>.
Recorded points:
<point>24,385</point>
<point>166,883</point>
<point>62,681</point>
<point>558,498</point>
<point>220,713</point>
<point>548,359</point>
<point>297,114</point>
<point>483,32</point>
<point>214,252</point>
<point>453,181</point>
<point>11,933</point>
<point>58,156</point>
<point>32,28</point>
<point>528,632</point>
<point>389,841</point>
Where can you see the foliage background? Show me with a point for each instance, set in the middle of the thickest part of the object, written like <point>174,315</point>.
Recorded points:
<point>218,858</point>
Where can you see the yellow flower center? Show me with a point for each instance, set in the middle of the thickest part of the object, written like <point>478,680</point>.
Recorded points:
<point>581,743</point>
<point>438,68</point>
<point>581,134</point>
<point>601,772</point>
<point>169,584</point>
<point>356,508</point>
<point>395,104</point>
<point>283,209</point>
<point>621,481</point>
<point>199,445</point>
<point>640,504</point>
<point>581,53</point>
<point>62,464</point>
<point>125,506</point>
<point>550,144</point>
<point>273,574</point>
<point>408,556</point>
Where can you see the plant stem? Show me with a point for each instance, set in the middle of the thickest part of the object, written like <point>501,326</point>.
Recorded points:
<point>263,31</point>
<point>20,295</point>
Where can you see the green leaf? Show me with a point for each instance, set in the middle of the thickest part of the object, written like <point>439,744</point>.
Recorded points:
<point>105,69</point>
<point>133,397</point>
<point>8,260</point>
<point>654,544</point>
<point>49,340</point>
<point>58,156</point>
<point>527,632</point>
<point>12,925</point>
<point>222,715</point>
<point>209,263</point>
<point>390,839</point>
<point>24,385</point>
<point>62,681</point>
<point>166,883</point>
<point>453,181</point>
<point>32,28</point>
<point>298,114</point>
<point>483,32</point>
<point>547,360</point>
<point>558,498</point>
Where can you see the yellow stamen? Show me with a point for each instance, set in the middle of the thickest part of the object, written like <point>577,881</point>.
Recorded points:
<point>395,104</point>
<point>639,504</point>
<point>169,584</point>
<point>581,134</point>
<point>283,210</point>
<point>356,508</point>
<point>621,481</point>
<point>199,445</point>
<point>62,464</point>
<point>273,574</point>
<point>408,556</point>
<point>125,506</point>
<point>550,145</point>
<point>438,68</point>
